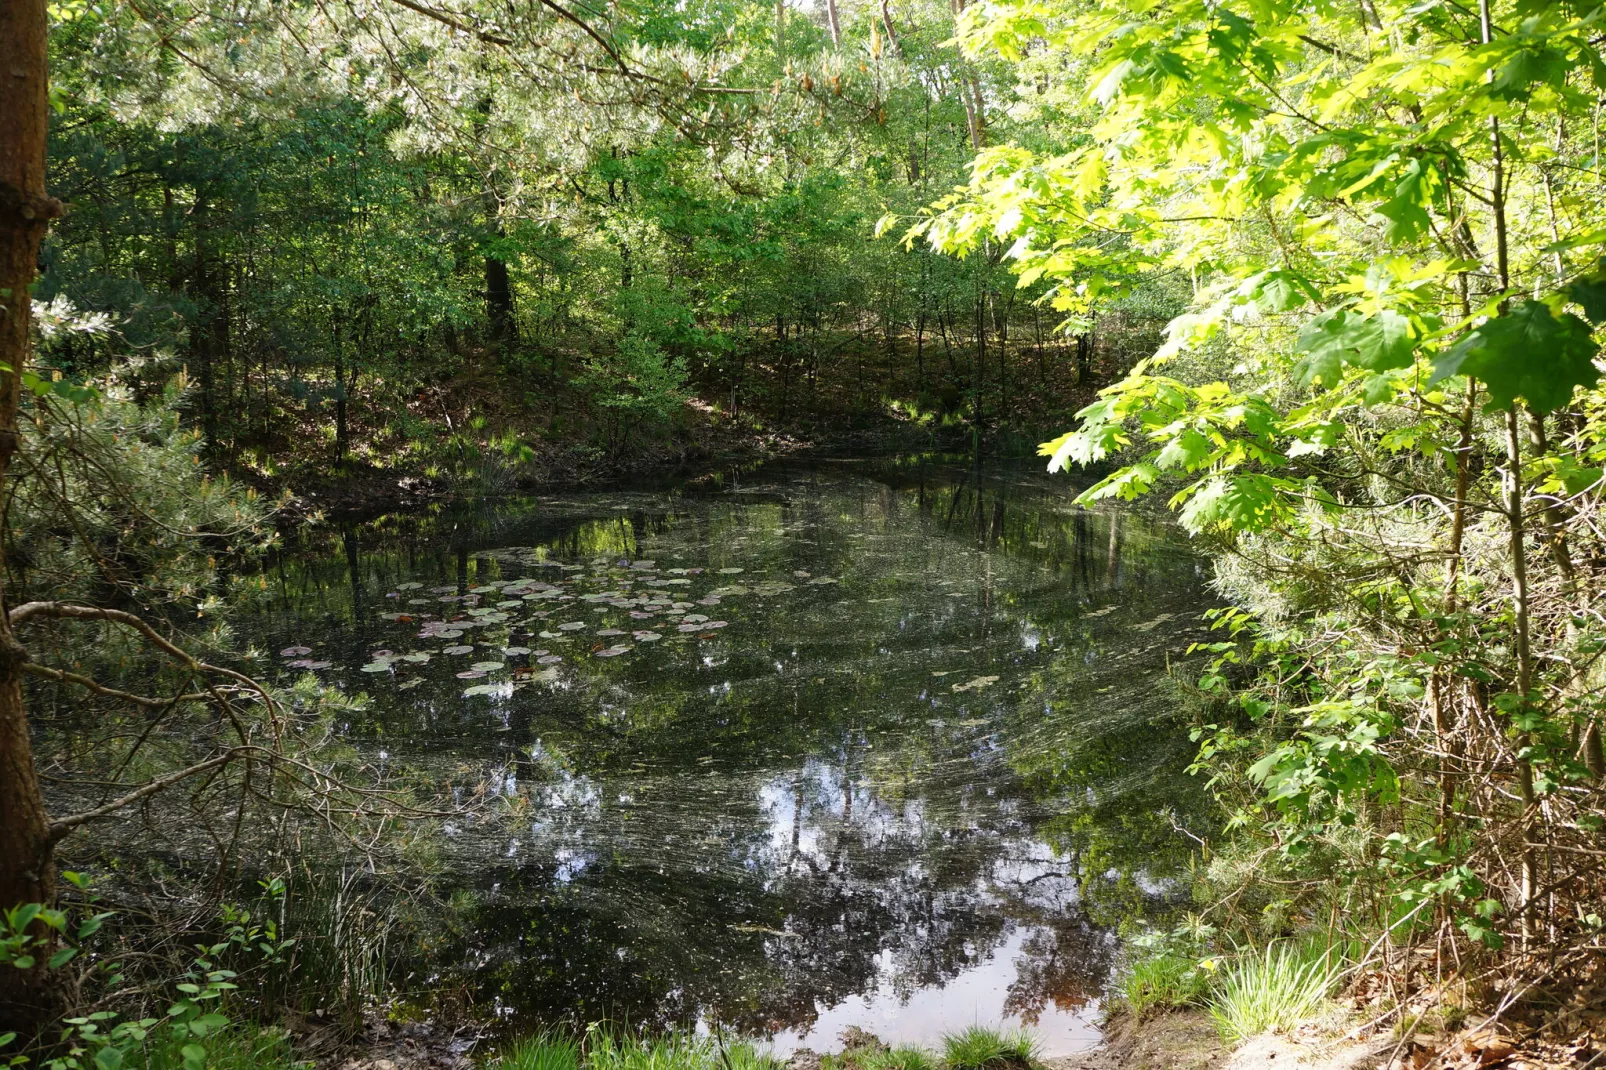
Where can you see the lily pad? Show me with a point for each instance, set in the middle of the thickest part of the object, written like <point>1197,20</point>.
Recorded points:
<point>461,648</point>
<point>515,651</point>
<point>485,689</point>
<point>470,674</point>
<point>295,651</point>
<point>976,684</point>
<point>550,659</point>
<point>646,637</point>
<point>730,571</point>
<point>377,666</point>
<point>409,586</point>
<point>487,666</point>
<point>613,651</point>
<point>572,626</point>
<point>410,683</point>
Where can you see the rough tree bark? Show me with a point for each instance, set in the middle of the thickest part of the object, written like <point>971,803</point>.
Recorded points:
<point>29,999</point>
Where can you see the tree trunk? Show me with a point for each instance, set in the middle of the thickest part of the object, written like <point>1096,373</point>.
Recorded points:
<point>499,295</point>
<point>835,19</point>
<point>209,335</point>
<point>29,999</point>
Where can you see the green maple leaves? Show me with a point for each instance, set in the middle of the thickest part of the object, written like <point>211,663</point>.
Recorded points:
<point>1342,336</point>
<point>1530,352</point>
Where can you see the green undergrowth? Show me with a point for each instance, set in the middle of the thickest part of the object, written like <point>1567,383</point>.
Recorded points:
<point>241,1047</point>
<point>602,1048</point>
<point>607,1049</point>
<point>1247,991</point>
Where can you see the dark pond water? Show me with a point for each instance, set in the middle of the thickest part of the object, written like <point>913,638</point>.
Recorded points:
<point>885,744</point>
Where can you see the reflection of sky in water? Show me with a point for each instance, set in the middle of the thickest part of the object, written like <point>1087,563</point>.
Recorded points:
<point>976,996</point>
<point>911,791</point>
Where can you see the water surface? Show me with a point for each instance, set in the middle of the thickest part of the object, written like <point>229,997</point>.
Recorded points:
<point>885,744</point>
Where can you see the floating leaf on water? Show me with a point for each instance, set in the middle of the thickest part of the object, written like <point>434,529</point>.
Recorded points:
<point>308,663</point>
<point>550,659</point>
<point>802,575</point>
<point>821,581</point>
<point>730,571</point>
<point>609,631</point>
<point>488,689</point>
<point>515,651</point>
<point>487,666</point>
<point>614,651</point>
<point>540,653</point>
<point>470,674</point>
<point>417,657</point>
<point>941,672</point>
<point>377,666</point>
<point>689,628</point>
<point>410,683</point>
<point>646,637</point>
<point>716,624</point>
<point>549,635</point>
<point>637,614</point>
<point>295,651</point>
<point>695,618</point>
<point>462,648</point>
<point>708,600</point>
<point>976,684</point>
<point>411,585</point>
<point>572,626</point>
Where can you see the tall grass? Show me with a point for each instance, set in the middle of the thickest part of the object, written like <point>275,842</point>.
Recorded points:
<point>341,959</point>
<point>1276,988</point>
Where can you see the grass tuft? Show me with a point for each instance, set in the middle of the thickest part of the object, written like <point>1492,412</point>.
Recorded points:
<point>1274,989</point>
<point>980,1048</point>
<point>544,1051</point>
<point>905,1057</point>
<point>1164,980</point>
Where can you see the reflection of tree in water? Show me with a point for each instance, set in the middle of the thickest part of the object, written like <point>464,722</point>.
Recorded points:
<point>753,918</point>
<point>805,808</point>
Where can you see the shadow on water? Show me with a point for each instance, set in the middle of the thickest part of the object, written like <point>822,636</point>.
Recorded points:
<point>881,744</point>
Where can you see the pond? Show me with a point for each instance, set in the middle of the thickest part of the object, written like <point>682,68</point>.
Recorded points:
<point>886,743</point>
